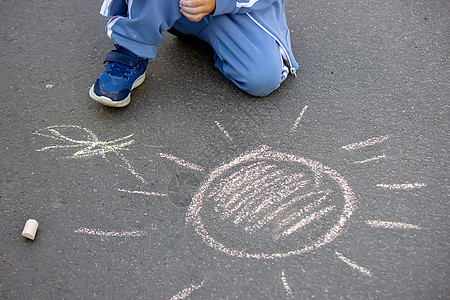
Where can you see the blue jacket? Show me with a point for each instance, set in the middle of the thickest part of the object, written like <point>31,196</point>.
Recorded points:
<point>268,15</point>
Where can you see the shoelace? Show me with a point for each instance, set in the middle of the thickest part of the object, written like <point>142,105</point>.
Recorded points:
<point>118,70</point>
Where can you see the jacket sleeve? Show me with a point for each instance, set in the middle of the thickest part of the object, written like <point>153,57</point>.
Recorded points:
<point>114,8</point>
<point>240,6</point>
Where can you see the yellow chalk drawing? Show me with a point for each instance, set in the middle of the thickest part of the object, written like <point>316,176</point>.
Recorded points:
<point>90,146</point>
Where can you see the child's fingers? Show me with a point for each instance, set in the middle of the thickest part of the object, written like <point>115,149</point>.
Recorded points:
<point>191,10</point>
<point>192,17</point>
<point>188,3</point>
<point>195,10</point>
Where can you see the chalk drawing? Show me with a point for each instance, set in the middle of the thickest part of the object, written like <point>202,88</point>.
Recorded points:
<point>262,204</point>
<point>187,291</point>
<point>285,284</point>
<point>251,194</point>
<point>297,122</point>
<point>353,265</point>
<point>391,225</point>
<point>110,233</point>
<point>272,196</point>
<point>370,159</point>
<point>224,131</point>
<point>305,221</point>
<point>182,162</point>
<point>143,193</point>
<point>90,145</point>
<point>403,186</point>
<point>263,198</point>
<point>366,143</point>
<point>275,213</point>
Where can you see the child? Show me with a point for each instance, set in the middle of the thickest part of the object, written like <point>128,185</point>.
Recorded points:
<point>249,38</point>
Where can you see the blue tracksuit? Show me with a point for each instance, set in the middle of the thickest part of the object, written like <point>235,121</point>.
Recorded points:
<point>250,37</point>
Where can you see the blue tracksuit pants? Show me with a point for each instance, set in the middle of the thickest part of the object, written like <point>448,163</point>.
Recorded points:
<point>244,52</point>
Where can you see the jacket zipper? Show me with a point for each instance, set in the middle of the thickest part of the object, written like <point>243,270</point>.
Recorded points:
<point>292,69</point>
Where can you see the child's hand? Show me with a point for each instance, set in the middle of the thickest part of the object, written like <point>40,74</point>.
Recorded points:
<point>195,10</point>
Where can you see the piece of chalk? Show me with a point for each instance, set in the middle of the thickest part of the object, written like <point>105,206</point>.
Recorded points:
<point>30,228</point>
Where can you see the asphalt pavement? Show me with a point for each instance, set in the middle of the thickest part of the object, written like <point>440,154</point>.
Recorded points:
<point>335,186</point>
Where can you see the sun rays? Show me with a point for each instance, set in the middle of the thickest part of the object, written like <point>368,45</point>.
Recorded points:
<point>265,197</point>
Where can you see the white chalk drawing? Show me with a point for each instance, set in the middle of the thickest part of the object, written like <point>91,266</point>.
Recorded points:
<point>263,204</point>
<point>268,191</point>
<point>187,291</point>
<point>143,193</point>
<point>224,131</point>
<point>297,122</point>
<point>87,144</point>
<point>391,225</point>
<point>99,232</point>
<point>182,162</point>
<point>287,288</point>
<point>403,186</point>
<point>370,159</point>
<point>366,143</point>
<point>264,198</point>
<point>353,265</point>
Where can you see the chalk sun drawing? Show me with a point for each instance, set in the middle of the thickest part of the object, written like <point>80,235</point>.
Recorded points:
<point>262,204</point>
<point>90,146</point>
<point>264,198</point>
<point>265,191</point>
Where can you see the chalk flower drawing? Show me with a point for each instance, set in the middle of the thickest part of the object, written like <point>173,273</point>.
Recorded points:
<point>89,146</point>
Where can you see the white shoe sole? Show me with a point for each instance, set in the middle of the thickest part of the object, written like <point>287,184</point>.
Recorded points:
<point>108,102</point>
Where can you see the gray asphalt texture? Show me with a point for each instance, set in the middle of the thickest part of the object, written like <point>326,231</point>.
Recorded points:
<point>369,69</point>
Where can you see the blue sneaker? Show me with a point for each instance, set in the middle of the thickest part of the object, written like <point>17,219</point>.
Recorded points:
<point>124,72</point>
